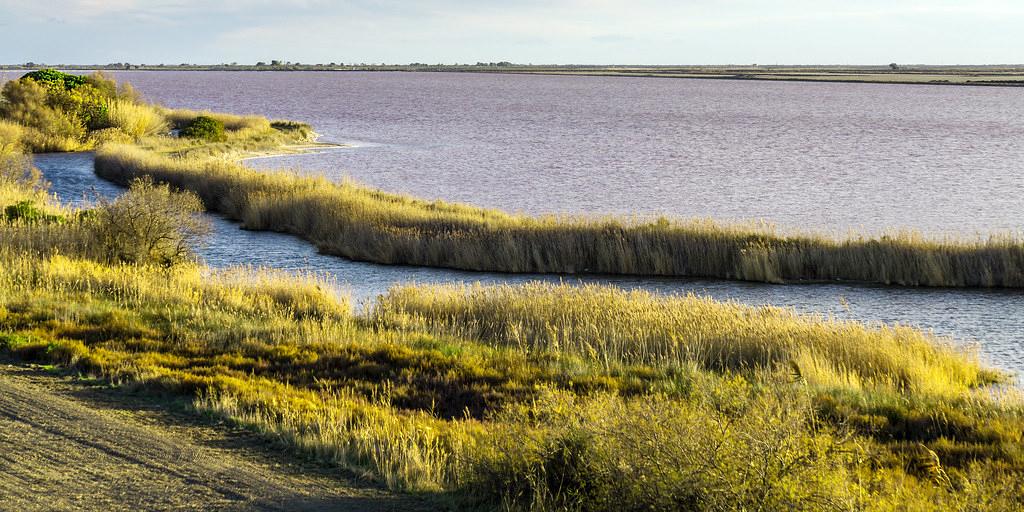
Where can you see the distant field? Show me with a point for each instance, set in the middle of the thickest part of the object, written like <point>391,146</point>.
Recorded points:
<point>1007,75</point>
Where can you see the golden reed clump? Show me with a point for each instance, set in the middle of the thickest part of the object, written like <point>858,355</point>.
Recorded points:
<point>612,327</point>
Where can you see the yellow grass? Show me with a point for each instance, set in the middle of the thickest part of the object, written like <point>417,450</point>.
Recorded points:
<point>612,326</point>
<point>283,356</point>
<point>136,120</point>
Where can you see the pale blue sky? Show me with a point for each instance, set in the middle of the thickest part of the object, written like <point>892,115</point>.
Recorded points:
<point>527,31</point>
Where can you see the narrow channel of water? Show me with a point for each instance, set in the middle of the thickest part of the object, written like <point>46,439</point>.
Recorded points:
<point>992,320</point>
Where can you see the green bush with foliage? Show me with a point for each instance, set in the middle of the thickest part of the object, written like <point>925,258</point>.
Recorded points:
<point>60,112</point>
<point>82,97</point>
<point>49,128</point>
<point>28,212</point>
<point>52,78</point>
<point>205,128</point>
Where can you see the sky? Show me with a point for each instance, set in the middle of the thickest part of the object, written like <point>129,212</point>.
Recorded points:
<point>521,31</point>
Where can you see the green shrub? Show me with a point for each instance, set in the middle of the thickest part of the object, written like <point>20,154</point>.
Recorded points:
<point>86,103</point>
<point>13,341</point>
<point>28,212</point>
<point>78,96</point>
<point>205,128</point>
<point>25,211</point>
<point>52,78</point>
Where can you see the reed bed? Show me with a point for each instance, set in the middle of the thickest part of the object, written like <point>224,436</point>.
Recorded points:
<point>135,119</point>
<point>356,222</point>
<point>613,326</point>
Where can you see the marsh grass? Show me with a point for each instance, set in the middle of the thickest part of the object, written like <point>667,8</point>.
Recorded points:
<point>612,326</point>
<point>538,397</point>
<point>136,120</point>
<point>356,222</point>
<point>518,424</point>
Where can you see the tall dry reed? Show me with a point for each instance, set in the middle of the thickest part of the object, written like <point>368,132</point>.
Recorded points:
<point>612,326</point>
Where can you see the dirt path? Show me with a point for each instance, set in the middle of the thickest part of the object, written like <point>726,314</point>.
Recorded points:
<point>64,446</point>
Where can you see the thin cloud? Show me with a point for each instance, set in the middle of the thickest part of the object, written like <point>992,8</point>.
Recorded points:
<point>552,31</point>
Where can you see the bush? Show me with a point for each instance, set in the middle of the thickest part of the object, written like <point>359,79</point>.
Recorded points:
<point>48,128</point>
<point>86,104</point>
<point>149,224</point>
<point>104,84</point>
<point>180,118</point>
<point>28,212</point>
<point>84,98</point>
<point>14,341</point>
<point>205,128</point>
<point>52,78</point>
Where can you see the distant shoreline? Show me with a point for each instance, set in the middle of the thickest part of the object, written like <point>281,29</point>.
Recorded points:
<point>991,76</point>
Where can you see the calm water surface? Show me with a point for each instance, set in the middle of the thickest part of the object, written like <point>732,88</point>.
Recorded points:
<point>826,157</point>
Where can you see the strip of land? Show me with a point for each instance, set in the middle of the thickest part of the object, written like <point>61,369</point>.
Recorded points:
<point>71,447</point>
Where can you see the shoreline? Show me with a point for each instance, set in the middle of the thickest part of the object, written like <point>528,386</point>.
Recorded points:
<point>294,149</point>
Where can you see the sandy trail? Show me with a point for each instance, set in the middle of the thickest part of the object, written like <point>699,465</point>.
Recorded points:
<point>65,447</point>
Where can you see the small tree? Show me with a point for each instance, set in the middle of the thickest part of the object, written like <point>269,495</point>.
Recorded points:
<point>150,224</point>
<point>893,66</point>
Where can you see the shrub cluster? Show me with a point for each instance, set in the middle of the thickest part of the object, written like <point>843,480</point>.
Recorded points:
<point>60,112</point>
<point>149,224</point>
<point>28,212</point>
<point>56,79</point>
<point>205,128</point>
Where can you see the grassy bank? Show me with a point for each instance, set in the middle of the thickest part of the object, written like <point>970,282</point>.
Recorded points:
<point>349,220</point>
<point>524,398</point>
